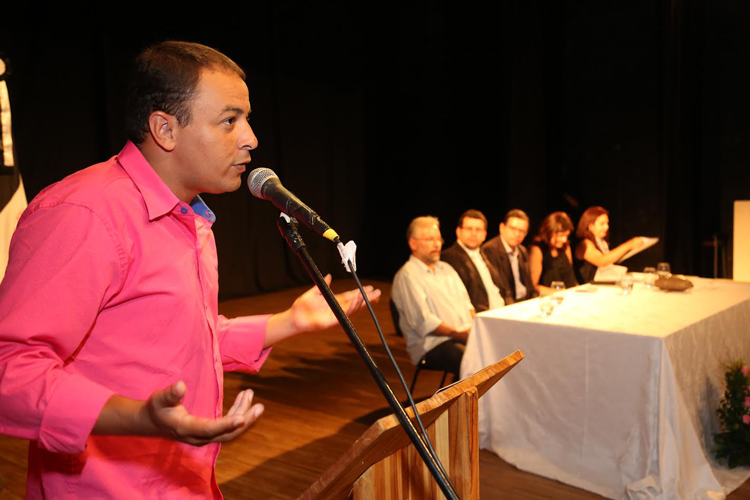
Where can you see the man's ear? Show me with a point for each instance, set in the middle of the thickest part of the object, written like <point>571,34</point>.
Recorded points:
<point>412,244</point>
<point>163,128</point>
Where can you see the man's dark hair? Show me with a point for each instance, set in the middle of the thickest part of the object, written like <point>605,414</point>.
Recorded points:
<point>165,78</point>
<point>518,214</point>
<point>472,214</point>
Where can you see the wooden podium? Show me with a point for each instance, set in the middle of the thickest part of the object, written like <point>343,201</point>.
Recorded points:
<point>383,464</point>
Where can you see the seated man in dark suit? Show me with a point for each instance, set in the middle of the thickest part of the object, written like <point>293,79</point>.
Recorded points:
<point>511,258</point>
<point>480,277</point>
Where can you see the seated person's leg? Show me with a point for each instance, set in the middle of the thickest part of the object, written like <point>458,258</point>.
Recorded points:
<point>446,356</point>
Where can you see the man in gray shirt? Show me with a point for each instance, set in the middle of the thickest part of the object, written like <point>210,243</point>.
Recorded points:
<point>435,312</point>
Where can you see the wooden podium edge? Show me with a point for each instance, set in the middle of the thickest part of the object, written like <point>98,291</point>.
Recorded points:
<point>337,480</point>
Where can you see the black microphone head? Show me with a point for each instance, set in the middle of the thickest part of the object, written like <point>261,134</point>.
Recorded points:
<point>257,178</point>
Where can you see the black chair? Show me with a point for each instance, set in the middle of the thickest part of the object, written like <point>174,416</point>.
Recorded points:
<point>421,364</point>
<point>394,316</point>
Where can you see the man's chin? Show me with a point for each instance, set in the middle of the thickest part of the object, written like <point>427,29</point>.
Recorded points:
<point>235,183</point>
<point>226,188</point>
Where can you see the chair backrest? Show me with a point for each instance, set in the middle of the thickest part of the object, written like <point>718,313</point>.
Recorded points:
<point>395,317</point>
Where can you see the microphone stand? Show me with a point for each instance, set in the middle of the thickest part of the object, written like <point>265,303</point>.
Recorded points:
<point>288,229</point>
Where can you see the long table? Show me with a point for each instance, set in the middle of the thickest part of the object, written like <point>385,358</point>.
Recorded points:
<point>618,393</point>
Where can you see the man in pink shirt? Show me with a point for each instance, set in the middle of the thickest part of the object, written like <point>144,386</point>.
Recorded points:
<point>112,351</point>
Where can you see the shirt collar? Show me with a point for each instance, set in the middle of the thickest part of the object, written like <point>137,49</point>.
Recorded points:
<point>508,250</point>
<point>469,251</point>
<point>199,207</point>
<point>424,267</point>
<point>159,199</point>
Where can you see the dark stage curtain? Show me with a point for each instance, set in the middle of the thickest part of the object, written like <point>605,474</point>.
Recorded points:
<point>376,113</point>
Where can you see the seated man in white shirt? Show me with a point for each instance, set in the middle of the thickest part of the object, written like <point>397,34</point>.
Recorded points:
<point>435,312</point>
<point>481,278</point>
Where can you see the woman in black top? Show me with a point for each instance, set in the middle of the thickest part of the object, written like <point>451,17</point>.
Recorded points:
<point>550,257</point>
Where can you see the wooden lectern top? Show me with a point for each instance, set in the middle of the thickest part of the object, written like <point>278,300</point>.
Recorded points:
<point>386,436</point>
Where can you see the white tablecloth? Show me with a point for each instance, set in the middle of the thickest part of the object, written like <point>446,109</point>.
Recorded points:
<point>617,394</point>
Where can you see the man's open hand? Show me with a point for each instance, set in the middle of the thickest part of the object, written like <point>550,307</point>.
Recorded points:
<point>310,312</point>
<point>172,420</point>
<point>164,415</point>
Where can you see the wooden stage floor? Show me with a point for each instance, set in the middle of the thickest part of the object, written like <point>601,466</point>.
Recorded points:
<point>319,398</point>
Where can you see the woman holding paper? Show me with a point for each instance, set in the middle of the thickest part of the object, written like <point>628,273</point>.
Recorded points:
<point>550,257</point>
<point>593,250</point>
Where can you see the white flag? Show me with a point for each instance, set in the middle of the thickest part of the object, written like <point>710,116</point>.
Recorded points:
<point>12,195</point>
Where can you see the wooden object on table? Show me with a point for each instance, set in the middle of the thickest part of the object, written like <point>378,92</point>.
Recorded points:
<point>383,464</point>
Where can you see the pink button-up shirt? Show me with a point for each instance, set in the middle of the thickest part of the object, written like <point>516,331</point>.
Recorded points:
<point>112,287</point>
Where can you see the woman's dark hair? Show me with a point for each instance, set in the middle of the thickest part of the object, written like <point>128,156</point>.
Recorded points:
<point>588,218</point>
<point>556,222</point>
<point>165,78</point>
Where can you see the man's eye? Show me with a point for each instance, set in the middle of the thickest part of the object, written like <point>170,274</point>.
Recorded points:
<point>230,121</point>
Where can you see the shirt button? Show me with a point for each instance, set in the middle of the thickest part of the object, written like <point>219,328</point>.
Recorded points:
<point>183,210</point>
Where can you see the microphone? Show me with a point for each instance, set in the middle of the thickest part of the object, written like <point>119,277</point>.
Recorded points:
<point>265,184</point>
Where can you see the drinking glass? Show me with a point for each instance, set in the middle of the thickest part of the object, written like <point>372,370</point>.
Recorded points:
<point>626,283</point>
<point>650,277</point>
<point>557,291</point>
<point>546,306</point>
<point>663,270</point>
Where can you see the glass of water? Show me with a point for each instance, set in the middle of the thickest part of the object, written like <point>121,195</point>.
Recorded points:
<point>546,305</point>
<point>557,291</point>
<point>663,270</point>
<point>626,283</point>
<point>650,277</point>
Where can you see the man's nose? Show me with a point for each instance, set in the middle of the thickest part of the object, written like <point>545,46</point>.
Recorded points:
<point>248,139</point>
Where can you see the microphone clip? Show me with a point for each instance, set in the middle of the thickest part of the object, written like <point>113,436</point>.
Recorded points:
<point>288,229</point>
